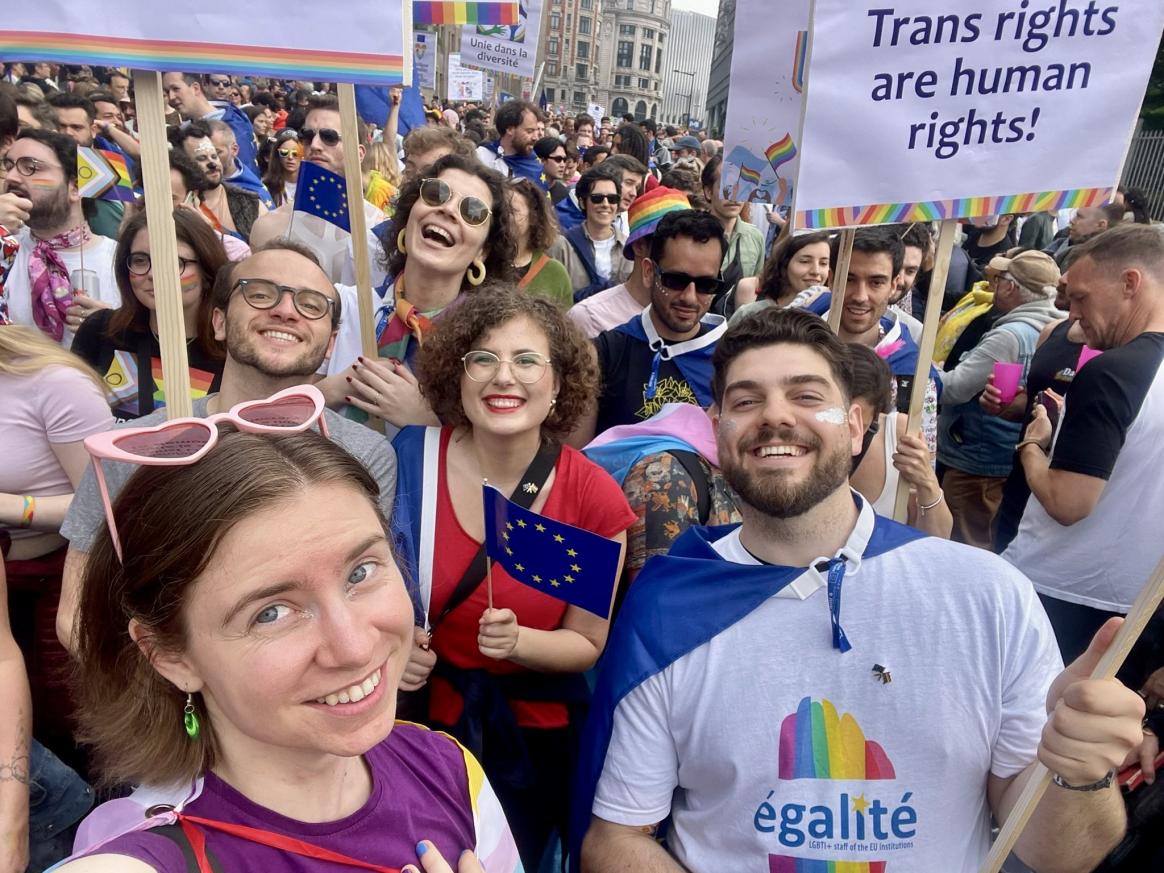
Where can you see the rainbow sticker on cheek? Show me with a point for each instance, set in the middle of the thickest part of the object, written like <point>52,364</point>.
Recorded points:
<point>832,415</point>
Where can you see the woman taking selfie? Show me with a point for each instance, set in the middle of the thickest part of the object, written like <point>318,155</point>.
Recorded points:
<point>260,677</point>
<point>510,377</point>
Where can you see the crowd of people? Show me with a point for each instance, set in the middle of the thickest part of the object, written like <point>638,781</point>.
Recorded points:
<point>269,636</point>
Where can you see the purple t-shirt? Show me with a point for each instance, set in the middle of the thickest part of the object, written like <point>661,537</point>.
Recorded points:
<point>420,791</point>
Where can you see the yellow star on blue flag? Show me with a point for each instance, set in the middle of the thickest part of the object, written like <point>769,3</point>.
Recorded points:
<point>529,556</point>
<point>324,194</point>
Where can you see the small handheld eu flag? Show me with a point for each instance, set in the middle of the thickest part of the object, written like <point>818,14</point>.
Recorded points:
<point>555,558</point>
<point>322,193</point>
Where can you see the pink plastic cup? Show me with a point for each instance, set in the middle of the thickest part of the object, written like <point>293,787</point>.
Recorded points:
<point>1085,355</point>
<point>1007,378</point>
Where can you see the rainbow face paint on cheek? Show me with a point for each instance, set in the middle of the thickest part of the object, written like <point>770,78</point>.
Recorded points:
<point>191,281</point>
<point>41,184</point>
<point>832,415</point>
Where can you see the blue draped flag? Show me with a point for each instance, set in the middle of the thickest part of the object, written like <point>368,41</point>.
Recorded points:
<point>557,559</point>
<point>322,193</point>
<point>373,105</point>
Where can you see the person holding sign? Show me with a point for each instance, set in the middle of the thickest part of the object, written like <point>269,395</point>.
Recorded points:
<point>780,725</point>
<point>509,376</point>
<point>294,761</point>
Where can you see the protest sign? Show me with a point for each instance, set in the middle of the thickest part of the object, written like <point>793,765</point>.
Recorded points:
<point>366,44</point>
<point>918,110</point>
<point>424,59</point>
<point>464,84</point>
<point>596,111</point>
<point>764,107</point>
<point>507,48</point>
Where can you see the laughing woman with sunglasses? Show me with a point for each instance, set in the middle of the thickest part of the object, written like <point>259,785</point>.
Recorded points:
<point>510,376</point>
<point>250,684</point>
<point>122,344</point>
<point>451,233</point>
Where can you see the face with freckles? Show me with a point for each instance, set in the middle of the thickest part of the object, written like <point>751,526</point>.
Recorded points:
<point>785,431</point>
<point>298,649</point>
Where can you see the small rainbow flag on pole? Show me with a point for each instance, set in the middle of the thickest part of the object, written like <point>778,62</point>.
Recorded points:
<point>484,12</point>
<point>781,152</point>
<point>747,174</point>
<point>103,175</point>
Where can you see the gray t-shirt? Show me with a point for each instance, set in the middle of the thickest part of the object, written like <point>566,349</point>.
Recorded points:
<point>86,514</point>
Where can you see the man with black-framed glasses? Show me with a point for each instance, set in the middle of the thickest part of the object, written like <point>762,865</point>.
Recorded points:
<point>663,355</point>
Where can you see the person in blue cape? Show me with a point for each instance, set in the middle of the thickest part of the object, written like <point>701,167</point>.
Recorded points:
<point>512,153</point>
<point>234,171</point>
<point>184,92</point>
<point>791,693</point>
<point>591,251</point>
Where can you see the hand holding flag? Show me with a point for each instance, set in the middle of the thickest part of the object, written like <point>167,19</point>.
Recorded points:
<point>558,559</point>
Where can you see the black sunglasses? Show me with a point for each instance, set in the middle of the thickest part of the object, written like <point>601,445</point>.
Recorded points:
<point>436,192</point>
<point>676,281</point>
<point>329,136</point>
<point>219,83</point>
<point>555,157</point>
<point>613,199</point>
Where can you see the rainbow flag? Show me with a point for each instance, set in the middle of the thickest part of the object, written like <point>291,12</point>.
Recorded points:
<point>747,174</point>
<point>781,152</point>
<point>103,175</point>
<point>481,12</point>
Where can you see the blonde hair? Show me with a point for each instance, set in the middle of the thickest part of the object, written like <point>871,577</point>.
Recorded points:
<point>381,158</point>
<point>25,351</point>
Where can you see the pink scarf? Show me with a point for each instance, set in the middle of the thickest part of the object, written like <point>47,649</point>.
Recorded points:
<point>52,289</point>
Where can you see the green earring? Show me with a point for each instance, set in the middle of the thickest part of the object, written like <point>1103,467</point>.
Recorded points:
<point>190,718</point>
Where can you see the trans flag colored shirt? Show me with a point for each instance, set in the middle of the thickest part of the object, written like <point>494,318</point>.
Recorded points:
<point>772,751</point>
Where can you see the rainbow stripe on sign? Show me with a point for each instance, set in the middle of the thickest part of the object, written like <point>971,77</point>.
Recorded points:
<point>747,174</point>
<point>784,864</point>
<point>816,744</point>
<point>197,57</point>
<point>800,61</point>
<point>937,210</point>
<point>472,12</point>
<point>780,152</point>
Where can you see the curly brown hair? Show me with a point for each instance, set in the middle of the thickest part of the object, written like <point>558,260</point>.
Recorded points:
<point>439,368</point>
<point>500,245</point>
<point>543,218</point>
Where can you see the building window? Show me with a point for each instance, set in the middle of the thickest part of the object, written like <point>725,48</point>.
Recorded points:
<point>552,47</point>
<point>648,33</point>
<point>640,110</point>
<point>585,4</point>
<point>626,30</point>
<point>555,21</point>
<point>582,72</point>
<point>619,108</point>
<point>583,51</point>
<point>658,62</point>
<point>626,51</point>
<point>583,25</point>
<point>579,98</point>
<point>644,84</point>
<point>551,68</point>
<point>550,95</point>
<point>646,55</point>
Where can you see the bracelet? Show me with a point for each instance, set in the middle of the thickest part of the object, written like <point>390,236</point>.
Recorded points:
<point>1098,785</point>
<point>923,508</point>
<point>1019,445</point>
<point>28,512</point>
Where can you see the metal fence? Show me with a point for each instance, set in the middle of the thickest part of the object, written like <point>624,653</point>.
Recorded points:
<point>1145,168</point>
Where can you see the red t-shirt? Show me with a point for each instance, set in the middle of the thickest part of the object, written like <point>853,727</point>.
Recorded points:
<point>583,495</point>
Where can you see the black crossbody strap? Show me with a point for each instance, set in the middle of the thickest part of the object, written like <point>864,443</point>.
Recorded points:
<point>524,495</point>
<point>691,463</point>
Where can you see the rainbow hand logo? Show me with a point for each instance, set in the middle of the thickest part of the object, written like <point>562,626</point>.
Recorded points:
<point>815,744</point>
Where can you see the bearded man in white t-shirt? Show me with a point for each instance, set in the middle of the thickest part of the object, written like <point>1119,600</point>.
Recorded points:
<point>776,726</point>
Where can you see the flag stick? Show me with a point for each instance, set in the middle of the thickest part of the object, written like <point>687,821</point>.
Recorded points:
<point>155,165</point>
<point>488,560</point>
<point>1134,623</point>
<point>354,177</point>
<point>925,352</point>
<point>841,277</point>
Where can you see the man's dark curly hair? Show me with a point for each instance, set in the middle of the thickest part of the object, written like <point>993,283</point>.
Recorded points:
<point>439,368</point>
<point>500,244</point>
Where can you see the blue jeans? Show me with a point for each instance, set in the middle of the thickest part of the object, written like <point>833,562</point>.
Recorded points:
<point>58,800</point>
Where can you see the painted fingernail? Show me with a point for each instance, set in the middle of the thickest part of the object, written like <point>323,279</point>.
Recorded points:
<point>360,358</point>
<point>349,378</point>
<point>347,399</point>
<point>421,848</point>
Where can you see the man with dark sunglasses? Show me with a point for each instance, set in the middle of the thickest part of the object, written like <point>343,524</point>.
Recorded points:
<point>184,93</point>
<point>663,355</point>
<point>278,314</point>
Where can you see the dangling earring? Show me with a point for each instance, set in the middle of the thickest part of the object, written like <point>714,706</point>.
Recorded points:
<point>190,718</point>
<point>479,277</point>
<point>400,246</point>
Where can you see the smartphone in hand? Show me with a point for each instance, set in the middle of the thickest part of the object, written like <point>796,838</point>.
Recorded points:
<point>1050,403</point>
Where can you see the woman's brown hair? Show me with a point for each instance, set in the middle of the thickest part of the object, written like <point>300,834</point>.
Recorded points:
<point>774,276</point>
<point>171,521</point>
<point>439,367</point>
<point>208,251</point>
<point>543,218</point>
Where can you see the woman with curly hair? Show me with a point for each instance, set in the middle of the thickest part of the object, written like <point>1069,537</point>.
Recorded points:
<point>510,376</point>
<point>451,232</point>
<point>535,227</point>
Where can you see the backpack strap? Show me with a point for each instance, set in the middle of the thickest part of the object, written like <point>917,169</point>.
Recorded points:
<point>695,469</point>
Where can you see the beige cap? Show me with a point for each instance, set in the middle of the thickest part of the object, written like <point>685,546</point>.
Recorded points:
<point>1033,270</point>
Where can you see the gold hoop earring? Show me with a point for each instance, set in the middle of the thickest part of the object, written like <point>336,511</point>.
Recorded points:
<point>400,246</point>
<point>477,278</point>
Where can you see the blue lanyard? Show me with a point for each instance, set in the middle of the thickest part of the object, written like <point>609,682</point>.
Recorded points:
<point>384,312</point>
<point>653,382</point>
<point>836,575</point>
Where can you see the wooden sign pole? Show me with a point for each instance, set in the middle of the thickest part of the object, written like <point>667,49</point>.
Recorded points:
<point>841,277</point>
<point>1135,622</point>
<point>925,352</point>
<point>155,165</point>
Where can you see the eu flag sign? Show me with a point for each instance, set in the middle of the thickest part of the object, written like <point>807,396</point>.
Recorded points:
<point>322,193</point>
<point>558,559</point>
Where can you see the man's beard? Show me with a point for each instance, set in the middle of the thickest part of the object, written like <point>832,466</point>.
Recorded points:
<point>241,348</point>
<point>50,213</point>
<point>771,493</point>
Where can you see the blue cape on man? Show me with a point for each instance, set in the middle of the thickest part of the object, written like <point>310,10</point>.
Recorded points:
<point>676,604</point>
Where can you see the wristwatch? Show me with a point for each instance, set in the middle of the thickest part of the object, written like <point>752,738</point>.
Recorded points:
<point>1099,785</point>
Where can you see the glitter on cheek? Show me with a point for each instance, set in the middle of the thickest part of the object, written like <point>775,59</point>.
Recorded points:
<point>832,415</point>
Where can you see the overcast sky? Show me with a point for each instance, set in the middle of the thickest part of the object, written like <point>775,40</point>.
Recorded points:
<point>707,7</point>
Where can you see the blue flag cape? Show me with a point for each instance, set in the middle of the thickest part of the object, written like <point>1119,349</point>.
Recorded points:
<point>414,511</point>
<point>676,604</point>
<point>524,166</point>
<point>695,364</point>
<point>373,103</point>
<point>617,458</point>
<point>569,213</point>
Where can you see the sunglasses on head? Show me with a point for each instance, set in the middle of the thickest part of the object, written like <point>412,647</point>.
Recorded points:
<point>612,199</point>
<point>671,280</point>
<point>436,192</point>
<point>329,136</point>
